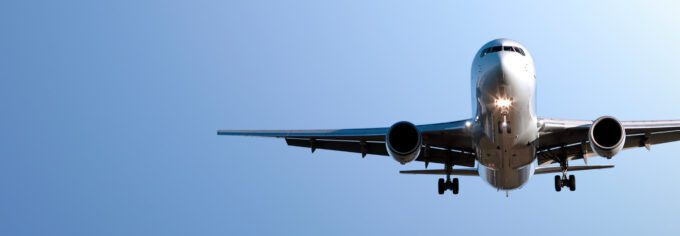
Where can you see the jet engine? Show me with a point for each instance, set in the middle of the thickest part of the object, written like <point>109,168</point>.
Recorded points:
<point>606,136</point>
<point>403,142</point>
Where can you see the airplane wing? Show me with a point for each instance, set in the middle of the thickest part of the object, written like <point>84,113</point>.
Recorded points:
<point>570,137</point>
<point>441,141</point>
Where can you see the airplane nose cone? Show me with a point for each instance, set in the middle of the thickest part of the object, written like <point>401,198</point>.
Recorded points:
<point>505,69</point>
<point>498,71</point>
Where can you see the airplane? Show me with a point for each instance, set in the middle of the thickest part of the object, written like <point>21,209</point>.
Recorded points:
<point>505,143</point>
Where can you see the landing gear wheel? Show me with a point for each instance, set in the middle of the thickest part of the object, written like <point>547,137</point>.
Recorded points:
<point>454,186</point>
<point>572,183</point>
<point>441,187</point>
<point>558,183</point>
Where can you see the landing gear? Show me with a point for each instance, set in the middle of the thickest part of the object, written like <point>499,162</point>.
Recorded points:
<point>441,186</point>
<point>563,181</point>
<point>448,185</point>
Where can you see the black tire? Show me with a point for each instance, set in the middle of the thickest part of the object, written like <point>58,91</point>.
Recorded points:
<point>441,187</point>
<point>454,186</point>
<point>572,183</point>
<point>558,183</point>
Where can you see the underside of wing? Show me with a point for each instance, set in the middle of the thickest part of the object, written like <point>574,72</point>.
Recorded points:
<point>458,172</point>
<point>369,134</point>
<point>551,170</point>
<point>570,138</point>
<point>441,142</point>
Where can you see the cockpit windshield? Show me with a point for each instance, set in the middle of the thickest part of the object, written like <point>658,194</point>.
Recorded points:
<point>493,49</point>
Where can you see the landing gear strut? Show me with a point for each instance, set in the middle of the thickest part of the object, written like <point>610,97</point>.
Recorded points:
<point>447,184</point>
<point>563,181</point>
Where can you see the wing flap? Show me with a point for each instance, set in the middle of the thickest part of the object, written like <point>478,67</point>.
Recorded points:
<point>549,170</point>
<point>647,139</point>
<point>345,146</point>
<point>459,172</point>
<point>432,155</point>
<point>458,158</point>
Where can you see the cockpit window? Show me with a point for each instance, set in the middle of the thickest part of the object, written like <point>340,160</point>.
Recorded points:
<point>484,52</point>
<point>501,48</point>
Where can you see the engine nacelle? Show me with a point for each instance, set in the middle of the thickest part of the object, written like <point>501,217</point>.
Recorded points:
<point>403,142</point>
<point>607,136</point>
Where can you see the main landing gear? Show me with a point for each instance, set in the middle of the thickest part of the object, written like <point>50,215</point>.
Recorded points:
<point>563,181</point>
<point>442,185</point>
<point>448,185</point>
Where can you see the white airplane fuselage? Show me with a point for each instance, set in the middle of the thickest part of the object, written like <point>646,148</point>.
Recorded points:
<point>505,125</point>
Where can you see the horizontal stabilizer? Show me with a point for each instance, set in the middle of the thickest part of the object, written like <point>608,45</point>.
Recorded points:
<point>461,172</point>
<point>548,170</point>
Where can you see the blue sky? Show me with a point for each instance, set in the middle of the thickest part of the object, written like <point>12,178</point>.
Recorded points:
<point>109,111</point>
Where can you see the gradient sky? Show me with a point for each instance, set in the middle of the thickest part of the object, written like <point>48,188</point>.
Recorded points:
<point>109,111</point>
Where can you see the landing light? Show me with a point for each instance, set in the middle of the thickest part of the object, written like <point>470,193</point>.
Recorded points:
<point>503,103</point>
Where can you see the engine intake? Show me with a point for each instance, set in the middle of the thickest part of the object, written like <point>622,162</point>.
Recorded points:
<point>607,136</point>
<point>403,142</point>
